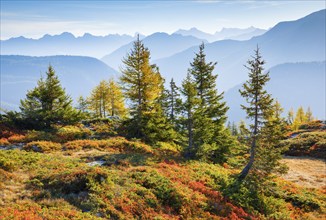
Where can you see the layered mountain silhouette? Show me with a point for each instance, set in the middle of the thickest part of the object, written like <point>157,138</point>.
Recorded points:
<point>293,85</point>
<point>225,33</point>
<point>79,75</point>
<point>65,44</point>
<point>160,44</point>
<point>302,40</point>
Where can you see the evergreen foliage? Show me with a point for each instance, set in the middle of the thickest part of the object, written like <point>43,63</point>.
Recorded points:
<point>48,104</point>
<point>210,139</point>
<point>259,104</point>
<point>188,108</point>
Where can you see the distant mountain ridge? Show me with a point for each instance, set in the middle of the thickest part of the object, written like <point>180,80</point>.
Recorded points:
<point>79,75</point>
<point>64,44</point>
<point>302,40</point>
<point>160,45</point>
<point>225,33</point>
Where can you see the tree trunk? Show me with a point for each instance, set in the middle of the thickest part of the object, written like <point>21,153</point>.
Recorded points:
<point>247,168</point>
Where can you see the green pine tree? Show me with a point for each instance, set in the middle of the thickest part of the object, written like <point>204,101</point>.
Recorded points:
<point>269,151</point>
<point>259,104</point>
<point>211,111</point>
<point>173,101</point>
<point>189,91</point>
<point>48,104</point>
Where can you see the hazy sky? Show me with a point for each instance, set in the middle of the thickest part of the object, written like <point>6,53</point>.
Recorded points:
<point>33,19</point>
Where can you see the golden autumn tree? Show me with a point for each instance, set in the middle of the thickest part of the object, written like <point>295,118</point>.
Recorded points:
<point>143,87</point>
<point>106,99</point>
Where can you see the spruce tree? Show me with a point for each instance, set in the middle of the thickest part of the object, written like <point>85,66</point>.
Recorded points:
<point>269,151</point>
<point>209,127</point>
<point>189,91</point>
<point>171,103</point>
<point>48,104</point>
<point>259,104</point>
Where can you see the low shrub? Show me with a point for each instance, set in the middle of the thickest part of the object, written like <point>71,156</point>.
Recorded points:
<point>34,135</point>
<point>70,132</point>
<point>307,144</point>
<point>17,138</point>
<point>165,148</point>
<point>104,129</point>
<point>4,142</point>
<point>84,144</point>
<point>161,187</point>
<point>122,144</point>
<point>313,125</point>
<point>42,146</point>
<point>7,164</point>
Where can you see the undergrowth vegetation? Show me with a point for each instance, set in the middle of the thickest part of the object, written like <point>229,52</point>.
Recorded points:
<point>137,181</point>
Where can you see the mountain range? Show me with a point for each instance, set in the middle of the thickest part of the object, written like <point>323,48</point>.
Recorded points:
<point>302,40</point>
<point>161,45</point>
<point>225,33</point>
<point>65,44</point>
<point>79,75</point>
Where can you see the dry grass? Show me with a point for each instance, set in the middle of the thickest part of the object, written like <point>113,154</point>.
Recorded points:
<point>306,171</point>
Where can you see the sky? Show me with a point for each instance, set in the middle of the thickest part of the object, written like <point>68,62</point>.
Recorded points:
<point>33,19</point>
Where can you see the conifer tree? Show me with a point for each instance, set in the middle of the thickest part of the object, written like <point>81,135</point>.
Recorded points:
<point>244,133</point>
<point>143,87</point>
<point>48,103</point>
<point>308,115</point>
<point>115,100</point>
<point>189,91</point>
<point>107,100</point>
<point>209,127</point>
<point>98,100</point>
<point>300,118</point>
<point>171,105</point>
<point>173,101</point>
<point>290,117</point>
<point>259,104</point>
<point>269,152</point>
<point>82,104</point>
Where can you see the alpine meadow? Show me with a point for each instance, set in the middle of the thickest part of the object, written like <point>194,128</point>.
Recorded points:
<point>128,110</point>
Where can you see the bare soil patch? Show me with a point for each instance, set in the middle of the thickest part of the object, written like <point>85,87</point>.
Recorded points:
<point>306,171</point>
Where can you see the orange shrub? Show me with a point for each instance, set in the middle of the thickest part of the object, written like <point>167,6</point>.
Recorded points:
<point>84,144</point>
<point>42,146</point>
<point>4,142</point>
<point>17,138</point>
